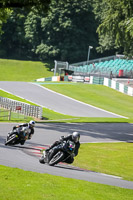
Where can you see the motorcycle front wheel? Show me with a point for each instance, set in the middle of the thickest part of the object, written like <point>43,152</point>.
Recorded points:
<point>11,140</point>
<point>58,157</point>
<point>41,160</point>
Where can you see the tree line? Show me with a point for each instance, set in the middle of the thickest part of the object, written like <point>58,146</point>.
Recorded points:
<point>63,29</point>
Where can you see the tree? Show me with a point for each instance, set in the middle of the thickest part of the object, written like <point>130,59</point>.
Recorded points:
<point>9,10</point>
<point>67,31</point>
<point>33,30</point>
<point>13,40</point>
<point>116,25</point>
<point>7,6</point>
<point>62,33</point>
<point>24,4</point>
<point>4,14</point>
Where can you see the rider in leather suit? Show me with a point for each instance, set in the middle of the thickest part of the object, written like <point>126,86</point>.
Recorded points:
<point>75,136</point>
<point>29,125</point>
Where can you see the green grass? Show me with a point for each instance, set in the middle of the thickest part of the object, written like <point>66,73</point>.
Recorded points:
<point>4,116</point>
<point>11,96</point>
<point>16,70</point>
<point>109,158</point>
<point>92,94</point>
<point>115,159</point>
<point>17,184</point>
<point>99,96</point>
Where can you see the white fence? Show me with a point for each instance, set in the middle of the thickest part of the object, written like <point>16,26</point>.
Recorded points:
<point>23,108</point>
<point>114,84</point>
<point>119,86</point>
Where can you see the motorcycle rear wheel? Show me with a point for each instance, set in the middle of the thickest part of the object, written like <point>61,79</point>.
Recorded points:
<point>58,157</point>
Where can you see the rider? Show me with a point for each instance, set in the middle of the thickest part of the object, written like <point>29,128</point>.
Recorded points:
<point>75,136</point>
<point>29,125</point>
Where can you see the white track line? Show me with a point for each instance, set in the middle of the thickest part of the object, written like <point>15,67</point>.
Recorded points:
<point>79,101</point>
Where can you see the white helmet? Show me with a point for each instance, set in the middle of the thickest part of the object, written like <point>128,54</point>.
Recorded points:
<point>75,136</point>
<point>32,123</point>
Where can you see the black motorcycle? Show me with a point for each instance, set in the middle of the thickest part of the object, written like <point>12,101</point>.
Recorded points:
<point>59,153</point>
<point>19,135</point>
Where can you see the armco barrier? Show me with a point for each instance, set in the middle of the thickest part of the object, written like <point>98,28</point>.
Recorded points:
<point>113,84</point>
<point>98,80</point>
<point>23,108</point>
<point>65,78</point>
<point>48,79</point>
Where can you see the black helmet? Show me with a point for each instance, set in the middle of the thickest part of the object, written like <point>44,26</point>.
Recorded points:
<point>75,136</point>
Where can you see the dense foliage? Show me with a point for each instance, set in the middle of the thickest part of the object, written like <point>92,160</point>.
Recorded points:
<point>116,25</point>
<point>63,29</point>
<point>40,4</point>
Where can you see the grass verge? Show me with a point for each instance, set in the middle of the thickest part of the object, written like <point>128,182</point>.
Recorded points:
<point>99,96</point>
<point>4,116</point>
<point>17,184</point>
<point>109,158</point>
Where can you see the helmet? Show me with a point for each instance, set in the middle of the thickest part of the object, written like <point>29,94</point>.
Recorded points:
<point>32,123</point>
<point>75,136</point>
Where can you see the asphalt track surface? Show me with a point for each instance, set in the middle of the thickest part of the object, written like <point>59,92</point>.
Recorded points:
<point>22,156</point>
<point>54,101</point>
<point>45,134</point>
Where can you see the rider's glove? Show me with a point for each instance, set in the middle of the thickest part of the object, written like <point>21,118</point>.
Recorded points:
<point>15,127</point>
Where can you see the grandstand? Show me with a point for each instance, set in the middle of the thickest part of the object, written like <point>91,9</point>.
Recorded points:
<point>114,71</point>
<point>111,67</point>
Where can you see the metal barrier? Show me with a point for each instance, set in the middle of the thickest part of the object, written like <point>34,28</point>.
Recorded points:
<point>23,108</point>
<point>59,65</point>
<point>95,61</point>
<point>121,87</point>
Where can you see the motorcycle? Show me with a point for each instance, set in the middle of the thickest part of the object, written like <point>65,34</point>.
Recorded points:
<point>19,135</point>
<point>59,153</point>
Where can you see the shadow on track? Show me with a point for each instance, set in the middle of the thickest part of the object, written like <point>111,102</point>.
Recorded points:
<point>70,167</point>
